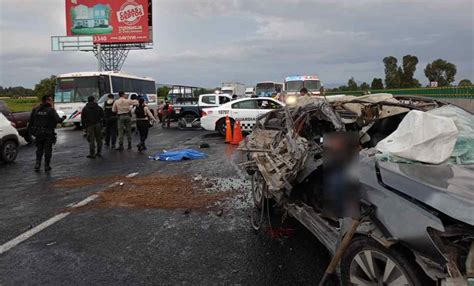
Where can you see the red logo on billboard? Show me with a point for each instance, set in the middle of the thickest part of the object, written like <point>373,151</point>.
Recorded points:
<point>130,13</point>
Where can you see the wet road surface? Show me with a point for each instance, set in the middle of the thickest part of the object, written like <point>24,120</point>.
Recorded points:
<point>136,246</point>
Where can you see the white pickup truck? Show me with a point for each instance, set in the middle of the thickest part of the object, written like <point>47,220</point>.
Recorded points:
<point>189,115</point>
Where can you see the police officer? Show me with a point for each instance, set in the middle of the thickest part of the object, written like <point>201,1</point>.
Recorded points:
<point>92,116</point>
<point>111,129</point>
<point>43,121</point>
<point>143,116</point>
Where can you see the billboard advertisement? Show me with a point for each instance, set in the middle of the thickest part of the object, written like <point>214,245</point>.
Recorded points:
<point>110,21</point>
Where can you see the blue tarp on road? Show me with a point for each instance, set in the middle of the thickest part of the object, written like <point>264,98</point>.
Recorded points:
<point>178,155</point>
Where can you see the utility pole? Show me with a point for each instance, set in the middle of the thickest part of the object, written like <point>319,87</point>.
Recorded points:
<point>99,57</point>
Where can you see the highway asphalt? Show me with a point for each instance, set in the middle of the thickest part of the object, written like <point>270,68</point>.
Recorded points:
<point>162,243</point>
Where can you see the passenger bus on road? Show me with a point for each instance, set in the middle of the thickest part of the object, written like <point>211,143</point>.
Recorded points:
<point>293,84</point>
<point>268,89</point>
<point>73,89</point>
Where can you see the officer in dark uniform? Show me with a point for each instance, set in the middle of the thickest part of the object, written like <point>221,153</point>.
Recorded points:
<point>43,121</point>
<point>111,127</point>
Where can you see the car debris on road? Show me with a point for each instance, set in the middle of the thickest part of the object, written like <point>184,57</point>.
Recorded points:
<point>422,225</point>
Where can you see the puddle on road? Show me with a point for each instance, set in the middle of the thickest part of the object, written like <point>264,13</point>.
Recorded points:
<point>195,193</point>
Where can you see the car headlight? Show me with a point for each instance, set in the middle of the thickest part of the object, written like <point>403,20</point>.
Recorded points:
<point>291,100</point>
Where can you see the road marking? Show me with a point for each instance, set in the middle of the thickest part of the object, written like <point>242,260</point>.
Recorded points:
<point>19,239</point>
<point>24,236</point>
<point>85,201</point>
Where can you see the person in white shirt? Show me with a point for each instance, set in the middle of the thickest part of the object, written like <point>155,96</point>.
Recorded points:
<point>122,107</point>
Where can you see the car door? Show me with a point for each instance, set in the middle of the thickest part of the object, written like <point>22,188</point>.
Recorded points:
<point>246,111</point>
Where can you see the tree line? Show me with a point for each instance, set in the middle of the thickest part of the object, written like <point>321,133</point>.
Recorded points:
<point>440,71</point>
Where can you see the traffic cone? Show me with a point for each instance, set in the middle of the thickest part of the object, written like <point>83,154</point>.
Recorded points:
<point>237,134</point>
<point>228,130</point>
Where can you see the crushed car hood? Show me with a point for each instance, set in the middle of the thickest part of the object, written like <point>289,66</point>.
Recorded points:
<point>446,188</point>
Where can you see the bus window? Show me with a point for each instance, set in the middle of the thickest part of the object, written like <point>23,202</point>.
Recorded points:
<point>76,89</point>
<point>117,84</point>
<point>312,85</point>
<point>294,85</point>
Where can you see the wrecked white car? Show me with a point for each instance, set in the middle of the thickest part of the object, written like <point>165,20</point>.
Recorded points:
<point>415,219</point>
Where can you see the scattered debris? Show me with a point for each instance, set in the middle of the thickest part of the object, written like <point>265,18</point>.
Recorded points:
<point>204,145</point>
<point>196,193</point>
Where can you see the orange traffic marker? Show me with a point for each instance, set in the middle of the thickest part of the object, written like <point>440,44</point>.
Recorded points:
<point>237,134</point>
<point>228,130</point>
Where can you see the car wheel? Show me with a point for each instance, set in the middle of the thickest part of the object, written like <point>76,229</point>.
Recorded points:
<point>258,189</point>
<point>9,151</point>
<point>366,262</point>
<point>221,128</point>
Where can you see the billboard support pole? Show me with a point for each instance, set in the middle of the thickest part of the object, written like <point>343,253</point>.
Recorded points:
<point>99,57</point>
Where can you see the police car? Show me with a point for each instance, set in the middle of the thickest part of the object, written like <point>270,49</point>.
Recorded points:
<point>245,110</point>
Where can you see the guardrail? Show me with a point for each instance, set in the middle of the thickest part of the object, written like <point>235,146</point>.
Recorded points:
<point>466,92</point>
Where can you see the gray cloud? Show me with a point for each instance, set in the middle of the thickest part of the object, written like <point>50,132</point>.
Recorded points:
<point>206,42</point>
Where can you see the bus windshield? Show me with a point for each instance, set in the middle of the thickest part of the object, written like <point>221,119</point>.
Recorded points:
<point>76,89</point>
<point>312,85</point>
<point>294,85</point>
<point>264,87</point>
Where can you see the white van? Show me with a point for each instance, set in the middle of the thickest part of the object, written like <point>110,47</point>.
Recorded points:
<point>9,140</point>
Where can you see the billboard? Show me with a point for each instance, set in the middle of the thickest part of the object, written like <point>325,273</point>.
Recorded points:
<point>110,21</point>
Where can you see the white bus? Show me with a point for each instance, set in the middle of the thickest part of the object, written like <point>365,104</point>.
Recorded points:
<point>293,84</point>
<point>73,89</point>
<point>268,89</point>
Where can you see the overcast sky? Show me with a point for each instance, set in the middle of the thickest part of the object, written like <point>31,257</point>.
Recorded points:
<point>207,42</point>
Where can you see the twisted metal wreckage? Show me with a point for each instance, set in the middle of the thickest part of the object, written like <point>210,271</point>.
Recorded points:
<point>285,160</point>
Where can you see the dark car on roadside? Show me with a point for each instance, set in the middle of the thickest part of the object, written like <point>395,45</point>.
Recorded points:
<point>20,119</point>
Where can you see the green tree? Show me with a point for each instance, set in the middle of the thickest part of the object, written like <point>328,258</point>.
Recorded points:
<point>377,83</point>
<point>200,91</point>
<point>45,87</point>
<point>392,73</point>
<point>343,88</point>
<point>352,84</point>
<point>464,82</point>
<point>163,91</point>
<point>441,71</point>
<point>364,86</point>
<point>407,79</point>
